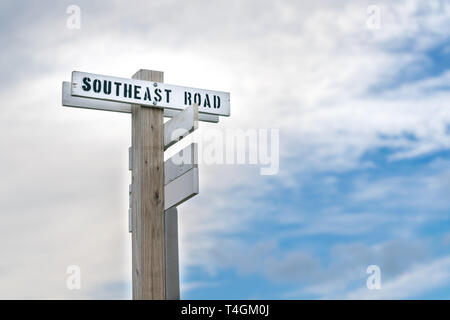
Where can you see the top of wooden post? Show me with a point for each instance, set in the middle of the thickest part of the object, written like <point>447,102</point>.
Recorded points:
<point>149,75</point>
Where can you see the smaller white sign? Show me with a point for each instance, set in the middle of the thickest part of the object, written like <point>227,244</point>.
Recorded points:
<point>181,163</point>
<point>181,189</point>
<point>180,126</point>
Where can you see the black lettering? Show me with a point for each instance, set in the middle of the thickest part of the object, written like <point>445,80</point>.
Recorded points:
<point>167,95</point>
<point>97,85</point>
<point>86,86</point>
<point>158,95</point>
<point>147,95</point>
<point>107,87</point>
<point>118,84</point>
<point>187,98</point>
<point>127,90</point>
<point>207,103</point>
<point>216,102</point>
<point>137,92</point>
<point>197,99</point>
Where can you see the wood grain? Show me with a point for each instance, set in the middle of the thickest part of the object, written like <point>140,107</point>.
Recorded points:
<point>148,198</point>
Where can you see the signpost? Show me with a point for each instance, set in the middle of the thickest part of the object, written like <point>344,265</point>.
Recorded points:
<point>157,187</point>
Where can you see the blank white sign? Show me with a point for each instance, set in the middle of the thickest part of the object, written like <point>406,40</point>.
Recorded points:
<point>181,189</point>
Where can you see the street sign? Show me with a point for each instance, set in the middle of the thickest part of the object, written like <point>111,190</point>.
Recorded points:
<point>86,103</point>
<point>148,93</point>
<point>181,189</point>
<point>180,126</point>
<point>180,163</point>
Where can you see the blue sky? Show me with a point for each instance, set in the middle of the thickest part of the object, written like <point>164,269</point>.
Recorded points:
<point>364,122</point>
<point>386,219</point>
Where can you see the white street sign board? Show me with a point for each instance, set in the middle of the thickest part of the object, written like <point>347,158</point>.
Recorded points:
<point>170,113</point>
<point>149,93</point>
<point>79,102</point>
<point>180,163</point>
<point>181,189</point>
<point>180,126</point>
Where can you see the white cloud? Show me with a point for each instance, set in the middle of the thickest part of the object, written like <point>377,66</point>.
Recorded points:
<point>411,284</point>
<point>348,264</point>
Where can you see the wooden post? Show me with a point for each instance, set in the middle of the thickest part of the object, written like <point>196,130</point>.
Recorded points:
<point>148,198</point>
<point>172,262</point>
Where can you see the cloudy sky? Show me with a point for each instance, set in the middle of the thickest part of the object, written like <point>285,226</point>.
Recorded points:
<point>363,113</point>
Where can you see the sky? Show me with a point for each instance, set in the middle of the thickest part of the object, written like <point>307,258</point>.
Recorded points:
<point>359,91</point>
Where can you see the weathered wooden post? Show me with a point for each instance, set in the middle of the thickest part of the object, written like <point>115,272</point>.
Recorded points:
<point>148,197</point>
